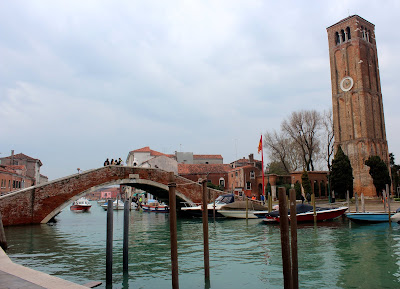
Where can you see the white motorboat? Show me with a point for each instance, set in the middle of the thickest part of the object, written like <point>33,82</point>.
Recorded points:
<point>118,205</point>
<point>82,204</point>
<point>196,211</point>
<point>238,209</point>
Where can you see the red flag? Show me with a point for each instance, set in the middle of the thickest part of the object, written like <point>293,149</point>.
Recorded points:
<point>260,145</point>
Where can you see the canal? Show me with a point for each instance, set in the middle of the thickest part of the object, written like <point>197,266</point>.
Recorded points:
<point>336,254</point>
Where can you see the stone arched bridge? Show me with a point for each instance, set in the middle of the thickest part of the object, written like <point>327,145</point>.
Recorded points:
<point>38,204</point>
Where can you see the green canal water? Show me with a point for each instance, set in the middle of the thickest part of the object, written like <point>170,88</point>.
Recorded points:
<point>336,254</point>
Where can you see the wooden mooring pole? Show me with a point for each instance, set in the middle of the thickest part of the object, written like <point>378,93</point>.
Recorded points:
<point>362,203</point>
<point>293,239</point>
<point>125,247</point>
<point>173,231</point>
<point>3,241</point>
<point>284,225</point>
<point>314,207</point>
<point>205,234</point>
<point>388,203</point>
<point>356,200</point>
<point>109,242</point>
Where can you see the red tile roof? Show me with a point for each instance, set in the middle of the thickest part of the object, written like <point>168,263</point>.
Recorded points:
<point>152,152</point>
<point>22,156</point>
<point>187,169</point>
<point>207,157</point>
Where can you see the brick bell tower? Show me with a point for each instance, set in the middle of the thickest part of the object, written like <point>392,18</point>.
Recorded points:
<point>359,123</point>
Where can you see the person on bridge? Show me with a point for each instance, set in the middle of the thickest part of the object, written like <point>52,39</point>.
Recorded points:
<point>107,162</point>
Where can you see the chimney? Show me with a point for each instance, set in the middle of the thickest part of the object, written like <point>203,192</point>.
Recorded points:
<point>251,158</point>
<point>12,157</point>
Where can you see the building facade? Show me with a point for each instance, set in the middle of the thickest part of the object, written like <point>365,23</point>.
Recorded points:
<point>359,124</point>
<point>19,171</point>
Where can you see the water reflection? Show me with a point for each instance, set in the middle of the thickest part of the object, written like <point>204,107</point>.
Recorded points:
<point>243,254</point>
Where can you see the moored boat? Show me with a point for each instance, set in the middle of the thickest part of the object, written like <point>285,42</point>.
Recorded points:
<point>369,217</point>
<point>305,213</point>
<point>81,205</point>
<point>155,207</point>
<point>118,205</point>
<point>196,211</point>
<point>237,209</point>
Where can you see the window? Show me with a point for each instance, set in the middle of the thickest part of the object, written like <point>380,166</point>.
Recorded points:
<point>252,175</point>
<point>348,33</point>
<point>236,173</point>
<point>222,182</point>
<point>337,39</point>
<point>248,186</point>
<point>343,39</point>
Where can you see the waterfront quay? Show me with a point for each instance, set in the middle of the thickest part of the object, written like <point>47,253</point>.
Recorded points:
<point>243,254</point>
<point>16,276</point>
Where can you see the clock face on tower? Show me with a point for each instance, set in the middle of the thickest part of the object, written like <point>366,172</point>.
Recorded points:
<point>346,83</point>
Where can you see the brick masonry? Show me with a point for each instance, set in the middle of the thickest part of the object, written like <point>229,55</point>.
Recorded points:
<point>35,204</point>
<point>359,124</point>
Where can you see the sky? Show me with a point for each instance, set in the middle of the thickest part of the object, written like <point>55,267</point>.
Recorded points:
<point>82,81</point>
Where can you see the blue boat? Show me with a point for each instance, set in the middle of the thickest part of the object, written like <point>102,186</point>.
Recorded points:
<point>368,217</point>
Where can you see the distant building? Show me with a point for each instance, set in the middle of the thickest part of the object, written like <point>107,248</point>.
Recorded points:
<point>246,162</point>
<point>244,180</point>
<point>217,174</point>
<point>19,171</point>
<point>139,156</point>
<point>190,158</point>
<point>161,162</point>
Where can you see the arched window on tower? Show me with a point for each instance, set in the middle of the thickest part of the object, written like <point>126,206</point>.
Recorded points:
<point>337,39</point>
<point>343,36</point>
<point>369,36</point>
<point>348,33</point>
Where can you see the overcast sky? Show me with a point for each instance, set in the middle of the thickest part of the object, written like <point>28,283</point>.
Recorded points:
<point>81,81</point>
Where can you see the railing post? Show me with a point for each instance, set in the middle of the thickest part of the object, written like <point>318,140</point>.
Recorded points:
<point>173,231</point>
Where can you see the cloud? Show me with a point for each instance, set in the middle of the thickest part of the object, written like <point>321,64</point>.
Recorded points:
<point>95,79</point>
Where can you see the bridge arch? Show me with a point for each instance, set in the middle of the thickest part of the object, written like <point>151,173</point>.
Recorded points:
<point>38,204</point>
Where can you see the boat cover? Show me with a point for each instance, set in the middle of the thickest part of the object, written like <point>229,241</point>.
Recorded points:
<point>241,205</point>
<point>300,208</point>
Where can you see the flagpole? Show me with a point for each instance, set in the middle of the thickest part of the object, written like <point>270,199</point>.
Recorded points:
<point>262,168</point>
<point>260,149</point>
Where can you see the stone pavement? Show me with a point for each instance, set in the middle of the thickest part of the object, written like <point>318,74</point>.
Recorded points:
<point>16,276</point>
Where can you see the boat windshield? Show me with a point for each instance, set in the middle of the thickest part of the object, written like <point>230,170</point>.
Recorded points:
<point>225,199</point>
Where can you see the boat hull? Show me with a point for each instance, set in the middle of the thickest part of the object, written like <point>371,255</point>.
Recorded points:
<point>237,214</point>
<point>368,217</point>
<point>396,218</point>
<point>322,215</point>
<point>80,208</point>
<point>155,209</point>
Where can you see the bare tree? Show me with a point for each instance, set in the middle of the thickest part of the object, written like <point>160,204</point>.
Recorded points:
<point>282,149</point>
<point>302,128</point>
<point>327,132</point>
